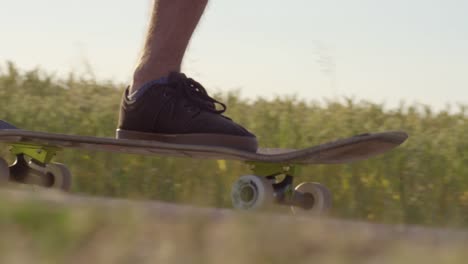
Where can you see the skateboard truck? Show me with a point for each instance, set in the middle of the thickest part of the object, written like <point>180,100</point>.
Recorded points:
<point>37,153</point>
<point>33,166</point>
<point>266,187</point>
<point>272,171</point>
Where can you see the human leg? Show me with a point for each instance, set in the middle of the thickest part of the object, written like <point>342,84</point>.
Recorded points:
<point>175,109</point>
<point>171,27</point>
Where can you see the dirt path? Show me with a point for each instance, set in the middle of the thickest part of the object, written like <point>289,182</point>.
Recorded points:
<point>169,210</point>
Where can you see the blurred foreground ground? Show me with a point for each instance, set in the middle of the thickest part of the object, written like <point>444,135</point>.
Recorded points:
<point>39,226</point>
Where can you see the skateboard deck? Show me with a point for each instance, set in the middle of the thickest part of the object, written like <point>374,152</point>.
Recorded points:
<point>35,150</point>
<point>339,151</point>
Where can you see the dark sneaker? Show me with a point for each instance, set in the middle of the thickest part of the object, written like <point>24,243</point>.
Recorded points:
<point>181,112</point>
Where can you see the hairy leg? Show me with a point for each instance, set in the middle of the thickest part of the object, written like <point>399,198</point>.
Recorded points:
<point>171,27</point>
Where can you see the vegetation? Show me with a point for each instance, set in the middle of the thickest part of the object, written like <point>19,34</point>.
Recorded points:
<point>425,181</point>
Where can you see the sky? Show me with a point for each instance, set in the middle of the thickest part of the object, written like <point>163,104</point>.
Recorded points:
<point>381,51</point>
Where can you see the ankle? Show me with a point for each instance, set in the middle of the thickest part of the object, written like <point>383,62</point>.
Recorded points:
<point>142,88</point>
<point>144,74</point>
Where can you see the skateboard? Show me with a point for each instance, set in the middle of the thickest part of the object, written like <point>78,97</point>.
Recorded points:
<point>273,169</point>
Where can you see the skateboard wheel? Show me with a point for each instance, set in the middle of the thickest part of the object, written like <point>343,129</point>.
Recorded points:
<point>311,197</point>
<point>252,192</point>
<point>4,171</point>
<point>58,176</point>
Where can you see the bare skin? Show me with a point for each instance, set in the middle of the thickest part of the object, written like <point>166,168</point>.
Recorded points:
<point>171,27</point>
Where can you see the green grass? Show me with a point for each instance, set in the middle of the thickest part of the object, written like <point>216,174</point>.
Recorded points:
<point>425,181</point>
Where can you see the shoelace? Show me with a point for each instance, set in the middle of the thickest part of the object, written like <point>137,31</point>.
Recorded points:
<point>196,94</point>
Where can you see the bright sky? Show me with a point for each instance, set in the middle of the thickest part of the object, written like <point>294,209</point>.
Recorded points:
<point>384,51</point>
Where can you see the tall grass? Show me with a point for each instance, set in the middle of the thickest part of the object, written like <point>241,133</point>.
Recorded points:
<point>425,181</point>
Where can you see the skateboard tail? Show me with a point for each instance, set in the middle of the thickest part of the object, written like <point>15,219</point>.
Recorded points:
<point>353,154</point>
<point>355,150</point>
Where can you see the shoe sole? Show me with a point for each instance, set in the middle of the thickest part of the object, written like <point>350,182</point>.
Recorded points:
<point>218,140</point>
